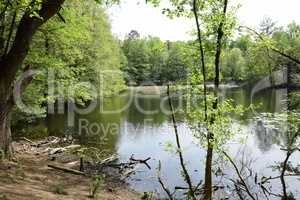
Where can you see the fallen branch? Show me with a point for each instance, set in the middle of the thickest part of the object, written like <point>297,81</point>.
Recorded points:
<point>109,160</point>
<point>50,141</point>
<point>196,188</point>
<point>125,169</point>
<point>29,141</point>
<point>129,172</point>
<point>68,170</point>
<point>141,161</point>
<point>277,177</point>
<point>59,150</point>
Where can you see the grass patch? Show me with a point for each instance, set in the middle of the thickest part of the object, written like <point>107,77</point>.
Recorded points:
<point>96,184</point>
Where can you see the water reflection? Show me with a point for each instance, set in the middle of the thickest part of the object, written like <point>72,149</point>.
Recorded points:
<point>147,135</point>
<point>275,178</point>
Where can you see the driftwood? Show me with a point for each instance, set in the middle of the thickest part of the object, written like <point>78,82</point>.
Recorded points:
<point>68,170</point>
<point>53,151</point>
<point>267,179</point>
<point>196,188</point>
<point>51,140</point>
<point>125,169</point>
<point>135,161</point>
<point>128,172</point>
<point>109,160</point>
<point>29,141</point>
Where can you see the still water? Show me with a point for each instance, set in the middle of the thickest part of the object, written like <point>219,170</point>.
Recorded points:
<point>136,129</point>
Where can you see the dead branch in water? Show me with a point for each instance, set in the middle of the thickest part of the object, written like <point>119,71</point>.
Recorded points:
<point>141,161</point>
<point>277,177</point>
<point>170,195</point>
<point>243,183</point>
<point>197,188</point>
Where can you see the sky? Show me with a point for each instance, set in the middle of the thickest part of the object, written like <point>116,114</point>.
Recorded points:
<point>147,20</point>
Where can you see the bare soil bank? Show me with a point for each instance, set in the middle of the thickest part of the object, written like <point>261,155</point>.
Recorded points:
<point>28,177</point>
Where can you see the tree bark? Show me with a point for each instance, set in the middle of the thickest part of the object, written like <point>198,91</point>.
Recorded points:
<point>5,137</point>
<point>12,62</point>
<point>208,170</point>
<point>5,131</point>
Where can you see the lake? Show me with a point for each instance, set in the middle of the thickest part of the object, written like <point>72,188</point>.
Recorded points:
<point>137,122</point>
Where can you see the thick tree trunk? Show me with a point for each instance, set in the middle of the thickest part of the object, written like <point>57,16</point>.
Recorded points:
<point>5,136</point>
<point>5,119</point>
<point>12,62</point>
<point>5,110</point>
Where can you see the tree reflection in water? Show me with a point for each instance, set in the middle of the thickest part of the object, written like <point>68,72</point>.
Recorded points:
<point>247,181</point>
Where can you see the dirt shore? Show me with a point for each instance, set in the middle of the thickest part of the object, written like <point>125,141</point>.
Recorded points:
<point>28,177</point>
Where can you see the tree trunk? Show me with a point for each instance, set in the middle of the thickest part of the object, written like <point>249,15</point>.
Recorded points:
<point>5,110</point>
<point>5,132</point>
<point>210,136</point>
<point>12,62</point>
<point>202,56</point>
<point>208,176</point>
<point>284,168</point>
<point>5,136</point>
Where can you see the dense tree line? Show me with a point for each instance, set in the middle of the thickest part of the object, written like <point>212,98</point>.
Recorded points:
<point>247,57</point>
<point>152,61</point>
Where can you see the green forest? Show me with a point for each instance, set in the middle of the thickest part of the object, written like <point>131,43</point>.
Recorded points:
<point>63,68</point>
<point>243,59</point>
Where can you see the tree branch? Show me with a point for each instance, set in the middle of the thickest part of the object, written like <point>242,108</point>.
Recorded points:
<point>272,48</point>
<point>27,27</point>
<point>162,183</point>
<point>239,175</point>
<point>11,29</point>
